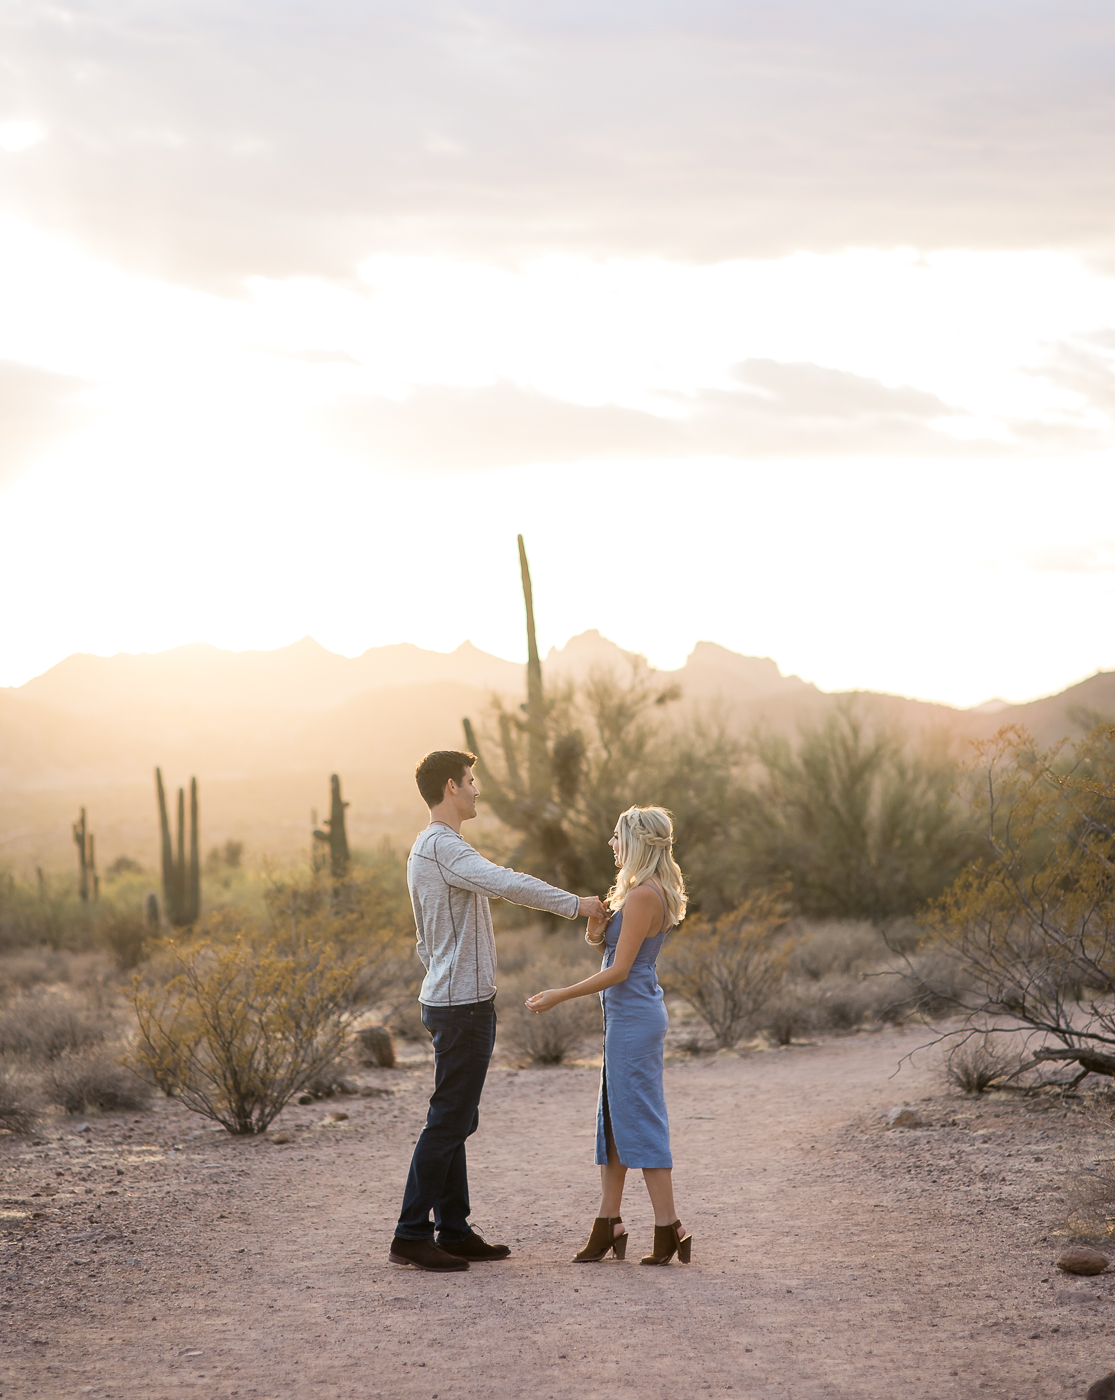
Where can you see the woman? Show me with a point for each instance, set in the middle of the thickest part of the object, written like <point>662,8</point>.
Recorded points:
<point>632,1130</point>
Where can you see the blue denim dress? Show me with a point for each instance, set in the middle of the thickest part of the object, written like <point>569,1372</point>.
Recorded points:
<point>635,1022</point>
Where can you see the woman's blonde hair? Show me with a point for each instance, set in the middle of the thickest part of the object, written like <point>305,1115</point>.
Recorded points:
<point>646,841</point>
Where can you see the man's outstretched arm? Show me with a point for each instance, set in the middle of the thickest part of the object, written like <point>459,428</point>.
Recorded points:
<point>467,869</point>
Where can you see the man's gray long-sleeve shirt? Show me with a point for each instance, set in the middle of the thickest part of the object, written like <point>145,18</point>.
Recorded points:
<point>449,887</point>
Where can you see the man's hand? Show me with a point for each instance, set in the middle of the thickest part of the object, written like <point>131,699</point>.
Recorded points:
<point>593,908</point>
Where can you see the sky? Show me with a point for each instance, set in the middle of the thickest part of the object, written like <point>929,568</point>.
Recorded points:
<point>787,326</point>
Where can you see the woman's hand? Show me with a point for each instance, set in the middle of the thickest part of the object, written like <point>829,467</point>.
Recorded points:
<point>594,933</point>
<point>543,1001</point>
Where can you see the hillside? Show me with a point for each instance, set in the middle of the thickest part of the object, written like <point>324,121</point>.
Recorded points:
<point>262,731</point>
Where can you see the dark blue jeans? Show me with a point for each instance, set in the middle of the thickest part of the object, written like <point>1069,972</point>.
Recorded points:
<point>464,1037</point>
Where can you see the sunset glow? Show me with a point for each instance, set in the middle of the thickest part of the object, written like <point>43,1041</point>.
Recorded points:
<point>789,431</point>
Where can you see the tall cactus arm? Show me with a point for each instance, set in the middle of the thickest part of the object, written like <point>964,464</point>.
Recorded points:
<point>510,756</point>
<point>193,910</point>
<point>93,868</point>
<point>502,803</point>
<point>180,862</point>
<point>167,850</point>
<point>538,759</point>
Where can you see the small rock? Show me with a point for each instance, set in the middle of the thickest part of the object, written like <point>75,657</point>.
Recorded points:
<point>281,1137</point>
<point>305,1098</point>
<point>337,1116</point>
<point>83,1128</point>
<point>347,1086</point>
<point>1103,1389</point>
<point>1078,1259</point>
<point>1070,1297</point>
<point>378,1046</point>
<point>369,1091</point>
<point>903,1117</point>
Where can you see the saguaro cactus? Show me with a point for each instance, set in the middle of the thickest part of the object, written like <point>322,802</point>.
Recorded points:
<point>88,880</point>
<point>336,837</point>
<point>181,881</point>
<point>530,807</point>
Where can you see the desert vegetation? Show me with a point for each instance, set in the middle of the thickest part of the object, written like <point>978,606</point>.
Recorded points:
<point>847,878</point>
<point>248,1005</point>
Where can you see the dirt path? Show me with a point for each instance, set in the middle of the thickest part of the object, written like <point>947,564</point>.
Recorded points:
<point>831,1258</point>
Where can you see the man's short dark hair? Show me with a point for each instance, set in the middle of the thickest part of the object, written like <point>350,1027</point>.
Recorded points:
<point>437,768</point>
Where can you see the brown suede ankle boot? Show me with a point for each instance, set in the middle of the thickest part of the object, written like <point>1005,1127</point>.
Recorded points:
<point>603,1239</point>
<point>668,1241</point>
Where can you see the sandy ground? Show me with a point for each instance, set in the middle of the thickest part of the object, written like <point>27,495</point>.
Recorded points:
<point>832,1258</point>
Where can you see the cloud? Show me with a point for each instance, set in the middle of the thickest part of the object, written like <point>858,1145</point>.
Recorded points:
<point>212,141</point>
<point>778,410</point>
<point>37,409</point>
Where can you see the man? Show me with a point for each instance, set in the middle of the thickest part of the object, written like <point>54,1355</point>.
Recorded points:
<point>449,887</point>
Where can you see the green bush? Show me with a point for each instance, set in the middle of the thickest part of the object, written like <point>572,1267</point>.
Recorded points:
<point>857,821</point>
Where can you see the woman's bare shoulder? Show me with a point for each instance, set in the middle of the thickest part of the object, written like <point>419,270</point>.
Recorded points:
<point>643,897</point>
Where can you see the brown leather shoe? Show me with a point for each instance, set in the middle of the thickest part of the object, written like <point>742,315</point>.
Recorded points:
<point>424,1254</point>
<point>473,1246</point>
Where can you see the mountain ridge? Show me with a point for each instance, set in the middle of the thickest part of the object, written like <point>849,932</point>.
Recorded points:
<point>90,731</point>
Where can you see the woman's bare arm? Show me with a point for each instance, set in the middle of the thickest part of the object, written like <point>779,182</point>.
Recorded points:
<point>642,915</point>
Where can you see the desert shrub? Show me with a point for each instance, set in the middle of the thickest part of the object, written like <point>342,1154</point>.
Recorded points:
<point>44,911</point>
<point>860,823</point>
<point>727,970</point>
<point>1027,932</point>
<point>125,936</point>
<point>841,947</point>
<point>789,1014</point>
<point>42,1027</point>
<point>974,1064</point>
<point>542,961</point>
<point>367,917</point>
<point>123,865</point>
<point>550,1037</point>
<point>834,1003</point>
<point>32,967</point>
<point>845,1002</point>
<point>17,1102</point>
<point>241,1028</point>
<point>97,1080</point>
